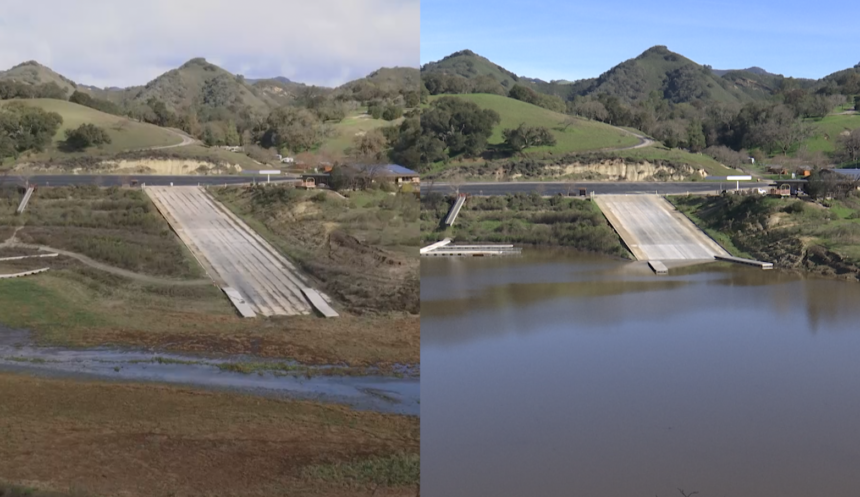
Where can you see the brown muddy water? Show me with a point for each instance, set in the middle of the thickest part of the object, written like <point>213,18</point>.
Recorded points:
<point>559,374</point>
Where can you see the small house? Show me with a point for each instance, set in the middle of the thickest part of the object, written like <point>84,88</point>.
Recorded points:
<point>314,180</point>
<point>397,174</point>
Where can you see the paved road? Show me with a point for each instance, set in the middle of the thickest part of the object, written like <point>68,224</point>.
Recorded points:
<point>644,141</point>
<point>654,231</point>
<point>618,188</point>
<point>186,140</point>
<point>236,255</point>
<point>149,180</point>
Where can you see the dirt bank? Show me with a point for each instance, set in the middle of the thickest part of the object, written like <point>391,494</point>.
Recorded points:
<point>362,250</point>
<point>578,167</point>
<point>802,235</point>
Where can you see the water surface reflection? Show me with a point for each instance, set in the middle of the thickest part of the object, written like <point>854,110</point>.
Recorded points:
<point>563,374</point>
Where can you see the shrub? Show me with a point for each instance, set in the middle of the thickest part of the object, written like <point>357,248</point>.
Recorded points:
<point>86,135</point>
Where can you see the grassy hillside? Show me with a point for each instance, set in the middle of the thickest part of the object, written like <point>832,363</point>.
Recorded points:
<point>828,130</point>
<point>346,131</point>
<point>125,134</point>
<point>33,73</point>
<point>582,136</point>
<point>583,141</point>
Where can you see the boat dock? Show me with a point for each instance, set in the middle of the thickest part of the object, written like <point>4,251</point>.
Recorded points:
<point>658,267</point>
<point>444,248</point>
<point>749,262</point>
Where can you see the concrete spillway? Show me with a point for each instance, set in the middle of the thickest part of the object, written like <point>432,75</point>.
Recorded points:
<point>653,230</point>
<point>256,278</point>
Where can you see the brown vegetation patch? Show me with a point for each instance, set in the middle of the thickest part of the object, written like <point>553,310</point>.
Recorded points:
<point>353,341</point>
<point>142,440</point>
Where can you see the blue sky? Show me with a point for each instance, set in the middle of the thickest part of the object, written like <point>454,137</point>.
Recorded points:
<point>130,42</point>
<point>551,39</point>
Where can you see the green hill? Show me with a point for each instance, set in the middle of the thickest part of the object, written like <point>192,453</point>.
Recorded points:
<point>467,64</point>
<point>671,75</point>
<point>33,73</point>
<point>199,83</point>
<point>384,83</point>
<point>582,135</point>
<point>277,92</point>
<point>125,133</point>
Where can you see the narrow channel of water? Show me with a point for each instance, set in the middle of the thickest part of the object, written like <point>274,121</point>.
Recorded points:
<point>563,374</point>
<point>375,393</point>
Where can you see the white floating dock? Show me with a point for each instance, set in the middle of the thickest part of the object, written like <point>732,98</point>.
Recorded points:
<point>20,257</point>
<point>434,246</point>
<point>749,262</point>
<point>25,273</point>
<point>658,267</point>
<point>473,250</point>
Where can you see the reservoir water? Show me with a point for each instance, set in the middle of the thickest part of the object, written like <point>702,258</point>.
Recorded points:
<point>561,374</point>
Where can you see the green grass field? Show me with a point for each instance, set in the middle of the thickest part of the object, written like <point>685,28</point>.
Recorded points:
<point>345,131</point>
<point>125,133</point>
<point>582,136</point>
<point>828,129</point>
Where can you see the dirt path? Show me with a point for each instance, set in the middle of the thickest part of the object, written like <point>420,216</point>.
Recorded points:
<point>143,278</point>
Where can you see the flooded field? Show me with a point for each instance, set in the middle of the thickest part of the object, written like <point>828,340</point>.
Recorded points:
<point>387,394</point>
<point>562,374</point>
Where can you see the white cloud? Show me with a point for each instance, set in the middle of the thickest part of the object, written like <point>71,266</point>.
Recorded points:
<point>124,42</point>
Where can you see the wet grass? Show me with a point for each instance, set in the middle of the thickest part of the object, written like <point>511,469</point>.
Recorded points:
<point>28,360</point>
<point>8,490</point>
<point>74,306</point>
<point>288,369</point>
<point>398,470</point>
<point>122,439</point>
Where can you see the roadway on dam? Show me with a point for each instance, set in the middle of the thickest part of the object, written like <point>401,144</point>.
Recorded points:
<point>599,188</point>
<point>654,231</point>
